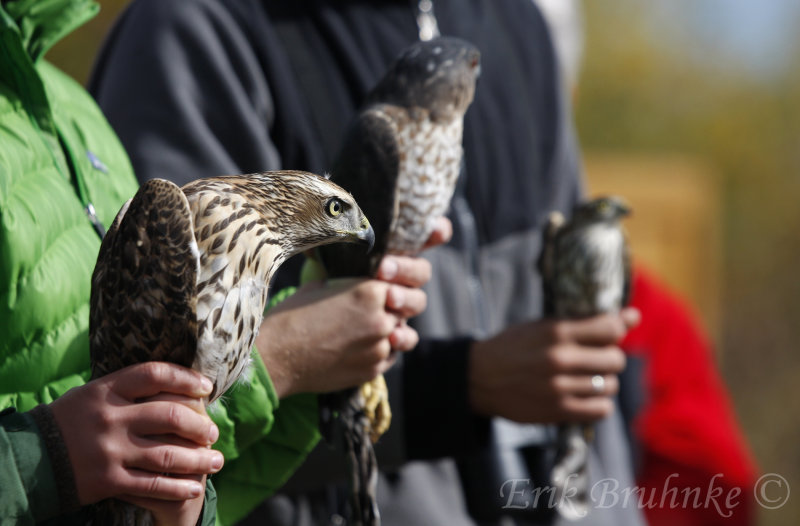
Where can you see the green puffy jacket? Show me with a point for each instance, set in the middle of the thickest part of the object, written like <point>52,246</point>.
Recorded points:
<point>64,174</point>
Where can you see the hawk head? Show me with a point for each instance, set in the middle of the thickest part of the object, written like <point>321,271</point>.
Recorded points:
<point>601,210</point>
<point>306,211</point>
<point>437,75</point>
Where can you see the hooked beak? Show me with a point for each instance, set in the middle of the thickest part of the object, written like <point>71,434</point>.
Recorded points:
<point>366,234</point>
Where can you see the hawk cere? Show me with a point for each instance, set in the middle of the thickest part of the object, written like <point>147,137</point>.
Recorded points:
<point>400,159</point>
<point>182,273</point>
<point>585,269</point>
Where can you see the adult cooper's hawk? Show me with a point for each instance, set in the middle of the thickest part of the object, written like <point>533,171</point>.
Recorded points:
<point>182,273</point>
<point>400,159</point>
<point>585,269</point>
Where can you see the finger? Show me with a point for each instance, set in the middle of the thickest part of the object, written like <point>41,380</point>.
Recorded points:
<point>165,418</point>
<point>145,484</point>
<point>631,317</point>
<point>387,364</point>
<point>195,404</point>
<point>587,361</point>
<point>604,329</point>
<point>158,456</point>
<point>406,302</point>
<point>159,508</point>
<point>587,408</point>
<point>150,378</point>
<point>442,233</point>
<point>403,338</point>
<point>404,270</point>
<point>583,385</point>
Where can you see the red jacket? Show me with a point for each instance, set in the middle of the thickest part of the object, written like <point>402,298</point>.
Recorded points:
<point>686,431</point>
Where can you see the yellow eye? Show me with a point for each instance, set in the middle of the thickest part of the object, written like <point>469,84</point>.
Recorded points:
<point>334,207</point>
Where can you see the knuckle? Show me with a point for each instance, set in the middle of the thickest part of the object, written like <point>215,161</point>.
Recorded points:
<point>600,408</point>
<point>557,384</point>
<point>563,404</point>
<point>410,339</point>
<point>174,416</point>
<point>424,270</point>
<point>370,293</point>
<point>618,329</point>
<point>157,373</point>
<point>612,385</point>
<point>381,352</point>
<point>557,359</point>
<point>374,325</point>
<point>382,325</point>
<point>153,370</point>
<point>167,459</point>
<point>605,407</point>
<point>422,302</point>
<point>154,484</point>
<point>106,420</point>
<point>557,331</point>
<point>620,360</point>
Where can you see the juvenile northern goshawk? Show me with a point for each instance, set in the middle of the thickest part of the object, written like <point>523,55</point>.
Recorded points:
<point>182,273</point>
<point>400,159</point>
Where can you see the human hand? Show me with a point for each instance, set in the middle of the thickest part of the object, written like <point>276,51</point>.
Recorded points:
<point>541,372</point>
<point>411,272</point>
<point>341,334</point>
<point>125,430</point>
<point>442,232</point>
<point>172,512</point>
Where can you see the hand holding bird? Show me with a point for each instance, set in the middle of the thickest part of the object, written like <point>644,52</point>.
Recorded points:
<point>400,158</point>
<point>121,435</point>
<point>585,269</point>
<point>182,274</point>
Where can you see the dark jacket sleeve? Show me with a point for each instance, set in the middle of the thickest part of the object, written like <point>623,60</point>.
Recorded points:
<point>435,377</point>
<point>185,91</point>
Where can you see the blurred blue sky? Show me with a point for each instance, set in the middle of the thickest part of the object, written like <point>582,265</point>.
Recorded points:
<point>759,36</point>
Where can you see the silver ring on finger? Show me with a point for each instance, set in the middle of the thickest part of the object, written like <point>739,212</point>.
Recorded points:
<point>599,384</point>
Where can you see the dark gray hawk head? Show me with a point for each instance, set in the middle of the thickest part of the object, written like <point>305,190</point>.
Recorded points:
<point>607,209</point>
<point>437,75</point>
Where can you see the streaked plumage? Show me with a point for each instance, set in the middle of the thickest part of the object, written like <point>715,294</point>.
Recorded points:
<point>400,159</point>
<point>585,269</point>
<point>182,274</point>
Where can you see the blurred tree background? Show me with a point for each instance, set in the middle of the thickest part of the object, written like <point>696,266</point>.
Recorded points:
<point>667,79</point>
<point>656,81</point>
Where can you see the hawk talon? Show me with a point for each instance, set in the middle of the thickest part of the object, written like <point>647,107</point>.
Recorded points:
<point>376,406</point>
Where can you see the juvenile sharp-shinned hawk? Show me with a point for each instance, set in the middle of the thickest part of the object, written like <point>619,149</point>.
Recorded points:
<point>400,159</point>
<point>585,269</point>
<point>182,273</point>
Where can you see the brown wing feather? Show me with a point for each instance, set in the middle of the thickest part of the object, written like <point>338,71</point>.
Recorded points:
<point>546,261</point>
<point>144,283</point>
<point>367,167</point>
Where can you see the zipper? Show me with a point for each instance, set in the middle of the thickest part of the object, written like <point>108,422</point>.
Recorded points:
<point>98,226</point>
<point>80,187</point>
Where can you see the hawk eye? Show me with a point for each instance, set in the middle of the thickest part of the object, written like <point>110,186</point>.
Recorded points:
<point>334,207</point>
